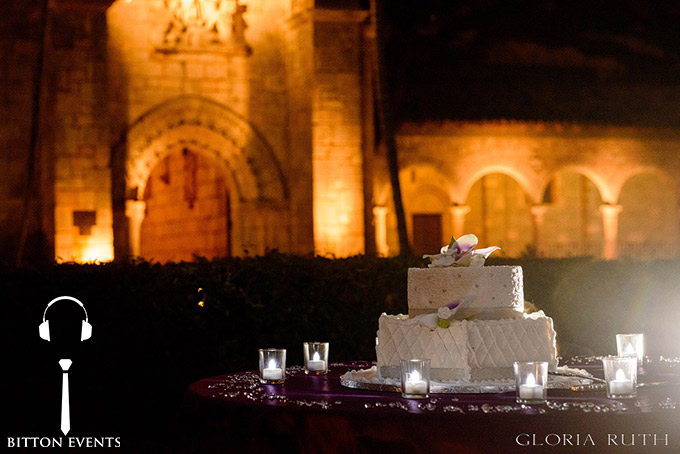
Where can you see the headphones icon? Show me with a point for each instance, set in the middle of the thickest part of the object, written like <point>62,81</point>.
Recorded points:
<point>44,328</point>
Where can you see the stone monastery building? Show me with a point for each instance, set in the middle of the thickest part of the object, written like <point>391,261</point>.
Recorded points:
<point>168,129</point>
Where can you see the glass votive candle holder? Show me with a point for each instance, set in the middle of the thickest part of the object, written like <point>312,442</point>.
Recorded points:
<point>415,378</point>
<point>316,357</point>
<point>630,345</point>
<point>531,382</point>
<point>272,365</point>
<point>620,374</point>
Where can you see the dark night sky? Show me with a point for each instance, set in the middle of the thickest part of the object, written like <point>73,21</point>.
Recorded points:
<point>597,61</point>
<point>590,61</point>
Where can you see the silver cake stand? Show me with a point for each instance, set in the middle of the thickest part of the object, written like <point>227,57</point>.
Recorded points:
<point>370,380</point>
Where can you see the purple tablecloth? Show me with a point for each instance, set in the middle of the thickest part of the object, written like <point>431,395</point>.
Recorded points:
<point>317,414</point>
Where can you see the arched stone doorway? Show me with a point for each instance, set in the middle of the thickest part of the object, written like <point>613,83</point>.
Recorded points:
<point>500,214</point>
<point>186,197</point>
<point>648,222</point>
<point>427,207</point>
<point>258,194</point>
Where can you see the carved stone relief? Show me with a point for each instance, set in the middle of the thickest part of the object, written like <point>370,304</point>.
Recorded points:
<point>199,26</point>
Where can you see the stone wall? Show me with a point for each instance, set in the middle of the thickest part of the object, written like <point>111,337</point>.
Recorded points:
<point>77,125</point>
<point>275,101</point>
<point>20,40</point>
<point>337,134</point>
<point>299,73</point>
<point>602,175</point>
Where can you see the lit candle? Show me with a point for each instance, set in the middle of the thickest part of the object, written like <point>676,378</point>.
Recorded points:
<point>621,385</point>
<point>631,345</point>
<point>531,390</point>
<point>415,384</point>
<point>271,372</point>
<point>316,363</point>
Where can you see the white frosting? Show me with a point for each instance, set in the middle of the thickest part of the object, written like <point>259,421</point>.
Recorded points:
<point>488,332</point>
<point>467,349</point>
<point>485,292</point>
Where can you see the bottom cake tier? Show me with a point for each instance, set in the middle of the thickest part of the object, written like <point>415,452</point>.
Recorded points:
<point>467,349</point>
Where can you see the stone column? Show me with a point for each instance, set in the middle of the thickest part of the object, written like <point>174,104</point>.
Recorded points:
<point>135,211</point>
<point>537,212</point>
<point>458,213</point>
<point>337,122</point>
<point>610,222</point>
<point>380,223</point>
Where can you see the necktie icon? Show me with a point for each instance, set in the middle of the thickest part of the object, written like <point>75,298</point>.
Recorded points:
<point>65,408</point>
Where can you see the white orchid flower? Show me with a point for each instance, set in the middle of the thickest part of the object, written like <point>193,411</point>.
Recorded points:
<point>461,252</point>
<point>444,312</point>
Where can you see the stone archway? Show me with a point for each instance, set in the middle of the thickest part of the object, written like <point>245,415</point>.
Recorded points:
<point>575,219</point>
<point>187,196</point>
<point>208,128</point>
<point>427,205</point>
<point>648,222</point>
<point>500,214</point>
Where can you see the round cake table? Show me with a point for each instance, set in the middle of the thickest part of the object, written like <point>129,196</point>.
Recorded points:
<point>236,413</point>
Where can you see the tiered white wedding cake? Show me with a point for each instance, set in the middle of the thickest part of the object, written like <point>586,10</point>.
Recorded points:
<point>467,319</point>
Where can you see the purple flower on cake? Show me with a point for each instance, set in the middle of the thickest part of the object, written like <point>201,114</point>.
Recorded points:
<point>442,318</point>
<point>461,252</point>
<point>446,312</point>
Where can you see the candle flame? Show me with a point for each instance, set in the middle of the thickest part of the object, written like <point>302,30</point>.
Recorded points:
<point>630,349</point>
<point>316,357</point>
<point>620,376</point>
<point>272,364</point>
<point>531,380</point>
<point>415,376</point>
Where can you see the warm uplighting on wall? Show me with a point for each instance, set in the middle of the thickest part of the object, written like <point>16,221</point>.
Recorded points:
<point>91,249</point>
<point>338,185</point>
<point>337,224</point>
<point>97,252</point>
<point>380,223</point>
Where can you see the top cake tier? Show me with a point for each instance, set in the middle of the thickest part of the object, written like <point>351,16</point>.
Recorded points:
<point>488,292</point>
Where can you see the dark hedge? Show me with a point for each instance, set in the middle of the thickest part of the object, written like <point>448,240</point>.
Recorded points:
<point>157,328</point>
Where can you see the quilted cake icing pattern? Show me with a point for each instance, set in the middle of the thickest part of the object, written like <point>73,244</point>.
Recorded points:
<point>466,346</point>
<point>500,343</point>
<point>401,338</point>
